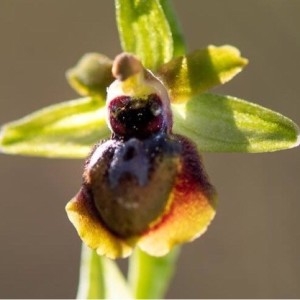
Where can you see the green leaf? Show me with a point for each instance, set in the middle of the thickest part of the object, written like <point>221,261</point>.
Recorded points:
<point>92,75</point>
<point>150,276</point>
<point>227,124</point>
<point>100,278</point>
<point>66,130</point>
<point>144,31</point>
<point>195,73</point>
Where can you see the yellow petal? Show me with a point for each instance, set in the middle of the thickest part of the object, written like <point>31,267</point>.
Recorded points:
<point>191,211</point>
<point>91,230</point>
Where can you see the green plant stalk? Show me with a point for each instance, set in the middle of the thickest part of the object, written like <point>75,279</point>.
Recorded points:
<point>100,278</point>
<point>91,281</point>
<point>149,277</point>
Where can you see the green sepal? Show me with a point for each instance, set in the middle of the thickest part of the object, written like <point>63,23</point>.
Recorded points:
<point>92,75</point>
<point>150,276</point>
<point>100,278</point>
<point>227,124</point>
<point>66,130</point>
<point>144,31</point>
<point>215,123</point>
<point>195,73</point>
<point>177,36</point>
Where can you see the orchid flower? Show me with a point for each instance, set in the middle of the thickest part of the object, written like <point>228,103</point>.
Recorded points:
<point>141,122</point>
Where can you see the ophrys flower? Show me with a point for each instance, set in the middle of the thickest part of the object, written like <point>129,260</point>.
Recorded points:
<point>145,186</point>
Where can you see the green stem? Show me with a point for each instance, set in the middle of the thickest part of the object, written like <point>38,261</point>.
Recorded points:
<point>100,278</point>
<point>149,276</point>
<point>91,281</point>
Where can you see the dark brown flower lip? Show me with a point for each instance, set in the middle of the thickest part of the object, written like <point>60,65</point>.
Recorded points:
<point>129,182</point>
<point>114,226</point>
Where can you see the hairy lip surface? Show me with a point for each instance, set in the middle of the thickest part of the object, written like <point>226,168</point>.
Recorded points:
<point>131,181</point>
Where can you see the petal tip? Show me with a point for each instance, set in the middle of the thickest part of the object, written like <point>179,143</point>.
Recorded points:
<point>93,233</point>
<point>297,143</point>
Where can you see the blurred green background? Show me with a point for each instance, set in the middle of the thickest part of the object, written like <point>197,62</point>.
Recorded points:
<point>252,249</point>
